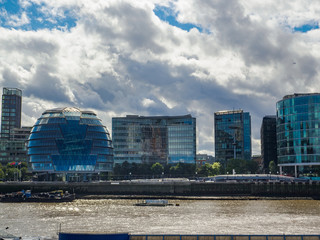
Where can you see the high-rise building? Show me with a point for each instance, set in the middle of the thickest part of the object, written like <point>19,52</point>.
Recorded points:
<point>298,133</point>
<point>232,135</point>
<point>70,144</point>
<point>268,136</point>
<point>163,139</point>
<point>11,111</point>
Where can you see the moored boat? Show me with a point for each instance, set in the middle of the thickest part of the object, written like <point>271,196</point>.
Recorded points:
<point>154,202</point>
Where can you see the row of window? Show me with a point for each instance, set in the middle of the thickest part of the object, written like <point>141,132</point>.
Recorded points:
<point>6,114</point>
<point>8,110</point>
<point>302,100</point>
<point>298,159</point>
<point>298,134</point>
<point>298,125</point>
<point>299,150</point>
<point>311,116</point>
<point>289,142</point>
<point>305,108</point>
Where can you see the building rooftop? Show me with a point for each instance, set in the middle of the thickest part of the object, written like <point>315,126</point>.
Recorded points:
<point>224,112</point>
<point>12,91</point>
<point>299,95</point>
<point>67,110</point>
<point>157,117</point>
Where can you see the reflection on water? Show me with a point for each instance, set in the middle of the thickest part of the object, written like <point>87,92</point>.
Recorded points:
<point>191,217</point>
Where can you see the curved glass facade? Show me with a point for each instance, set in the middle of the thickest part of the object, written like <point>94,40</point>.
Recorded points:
<point>298,130</point>
<point>69,140</point>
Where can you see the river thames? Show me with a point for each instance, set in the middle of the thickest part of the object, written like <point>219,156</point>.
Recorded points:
<point>191,217</point>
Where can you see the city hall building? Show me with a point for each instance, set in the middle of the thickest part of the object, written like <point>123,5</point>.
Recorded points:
<point>163,139</point>
<point>69,144</point>
<point>298,133</point>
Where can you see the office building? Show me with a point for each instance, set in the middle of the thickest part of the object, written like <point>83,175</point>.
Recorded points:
<point>232,135</point>
<point>70,144</point>
<point>163,139</point>
<point>14,149</point>
<point>11,111</point>
<point>298,133</point>
<point>268,141</point>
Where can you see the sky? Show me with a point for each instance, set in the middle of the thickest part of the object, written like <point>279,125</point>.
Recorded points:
<point>160,57</point>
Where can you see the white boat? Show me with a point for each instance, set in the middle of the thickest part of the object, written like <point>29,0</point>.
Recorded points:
<point>154,202</point>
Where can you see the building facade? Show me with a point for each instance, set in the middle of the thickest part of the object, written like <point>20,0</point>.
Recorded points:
<point>268,136</point>
<point>298,132</point>
<point>70,144</point>
<point>11,111</point>
<point>163,139</point>
<point>232,135</point>
<point>14,149</point>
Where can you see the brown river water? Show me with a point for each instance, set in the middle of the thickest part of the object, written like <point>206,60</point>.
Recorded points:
<point>190,217</point>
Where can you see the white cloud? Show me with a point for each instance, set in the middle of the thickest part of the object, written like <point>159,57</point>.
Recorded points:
<point>120,59</point>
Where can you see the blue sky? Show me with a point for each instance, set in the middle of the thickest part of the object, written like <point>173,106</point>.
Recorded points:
<point>306,28</point>
<point>168,15</point>
<point>116,58</point>
<point>37,19</point>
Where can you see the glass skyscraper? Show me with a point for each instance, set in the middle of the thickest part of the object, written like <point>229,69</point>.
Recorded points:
<point>11,111</point>
<point>232,135</point>
<point>298,132</point>
<point>71,143</point>
<point>163,139</point>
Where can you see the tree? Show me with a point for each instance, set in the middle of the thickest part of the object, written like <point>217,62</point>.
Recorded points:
<point>272,167</point>
<point>205,170</point>
<point>216,168</point>
<point>13,174</point>
<point>157,169</point>
<point>252,166</point>
<point>1,174</point>
<point>238,165</point>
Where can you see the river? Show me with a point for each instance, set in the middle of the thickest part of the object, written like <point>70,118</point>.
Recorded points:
<point>191,217</point>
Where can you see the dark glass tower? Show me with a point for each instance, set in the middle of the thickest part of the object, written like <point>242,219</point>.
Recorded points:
<point>11,111</point>
<point>163,139</point>
<point>268,140</point>
<point>232,135</point>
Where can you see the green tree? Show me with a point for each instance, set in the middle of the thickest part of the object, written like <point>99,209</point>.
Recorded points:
<point>252,167</point>
<point>13,174</point>
<point>216,168</point>
<point>157,169</point>
<point>272,167</point>
<point>205,170</point>
<point>2,175</point>
<point>238,165</point>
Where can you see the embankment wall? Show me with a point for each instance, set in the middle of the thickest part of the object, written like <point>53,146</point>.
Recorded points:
<point>171,188</point>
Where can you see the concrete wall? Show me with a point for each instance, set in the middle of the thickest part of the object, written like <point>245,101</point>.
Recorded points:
<point>171,188</point>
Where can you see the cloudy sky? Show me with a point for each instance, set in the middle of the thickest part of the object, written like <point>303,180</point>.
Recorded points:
<point>157,57</point>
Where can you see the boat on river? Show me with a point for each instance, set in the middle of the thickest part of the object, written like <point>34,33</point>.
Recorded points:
<point>27,196</point>
<point>154,202</point>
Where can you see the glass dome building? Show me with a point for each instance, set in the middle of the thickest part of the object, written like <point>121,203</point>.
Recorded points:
<point>298,132</point>
<point>69,144</point>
